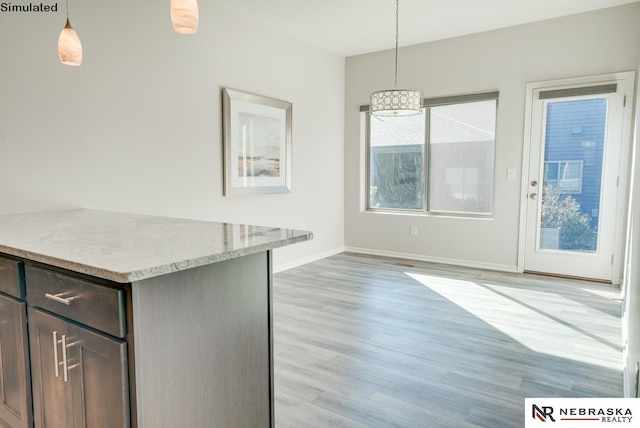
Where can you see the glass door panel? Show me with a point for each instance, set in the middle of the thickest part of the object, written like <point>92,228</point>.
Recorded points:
<point>574,146</point>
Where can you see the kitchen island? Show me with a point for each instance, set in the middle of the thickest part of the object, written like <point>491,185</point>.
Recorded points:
<point>137,320</point>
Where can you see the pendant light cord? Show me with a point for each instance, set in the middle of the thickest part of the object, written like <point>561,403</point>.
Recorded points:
<point>67,3</point>
<point>397,20</point>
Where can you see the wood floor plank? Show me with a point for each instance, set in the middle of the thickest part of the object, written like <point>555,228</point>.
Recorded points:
<point>365,341</point>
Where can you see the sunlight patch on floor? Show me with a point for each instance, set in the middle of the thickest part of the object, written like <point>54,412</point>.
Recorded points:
<point>518,314</point>
<point>612,293</point>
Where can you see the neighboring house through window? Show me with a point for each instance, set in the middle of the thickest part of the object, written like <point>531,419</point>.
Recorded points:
<point>564,176</point>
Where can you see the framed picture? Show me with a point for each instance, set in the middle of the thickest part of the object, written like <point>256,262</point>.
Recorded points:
<point>257,143</point>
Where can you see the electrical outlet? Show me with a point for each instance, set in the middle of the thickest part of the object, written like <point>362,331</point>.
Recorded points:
<point>413,230</point>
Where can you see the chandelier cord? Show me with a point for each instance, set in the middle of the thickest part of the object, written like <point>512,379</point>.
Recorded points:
<point>67,3</point>
<point>397,20</point>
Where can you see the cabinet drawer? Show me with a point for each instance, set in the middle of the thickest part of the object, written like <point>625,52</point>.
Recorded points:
<point>92,304</point>
<point>11,277</point>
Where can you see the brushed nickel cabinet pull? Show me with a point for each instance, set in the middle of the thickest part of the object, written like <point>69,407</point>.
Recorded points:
<point>65,362</point>
<point>58,298</point>
<point>55,353</point>
<point>64,358</point>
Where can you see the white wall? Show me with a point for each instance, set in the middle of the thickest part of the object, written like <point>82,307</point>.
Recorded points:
<point>137,128</point>
<point>631,282</point>
<point>505,60</point>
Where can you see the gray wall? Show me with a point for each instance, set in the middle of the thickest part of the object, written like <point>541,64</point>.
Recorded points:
<point>137,128</point>
<point>597,42</point>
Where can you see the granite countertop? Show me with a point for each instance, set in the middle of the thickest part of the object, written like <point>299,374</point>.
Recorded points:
<point>130,247</point>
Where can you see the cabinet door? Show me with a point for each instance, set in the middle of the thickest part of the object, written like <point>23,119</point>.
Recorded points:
<point>15,389</point>
<point>98,375</point>
<point>90,388</point>
<point>51,396</point>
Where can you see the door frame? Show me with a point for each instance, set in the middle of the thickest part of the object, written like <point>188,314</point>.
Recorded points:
<point>627,80</point>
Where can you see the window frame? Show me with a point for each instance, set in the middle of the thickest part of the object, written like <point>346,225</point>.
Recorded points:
<point>428,103</point>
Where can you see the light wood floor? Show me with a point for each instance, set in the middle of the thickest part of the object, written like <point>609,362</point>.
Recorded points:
<point>363,341</point>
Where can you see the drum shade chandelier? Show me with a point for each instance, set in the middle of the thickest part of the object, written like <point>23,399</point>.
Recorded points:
<point>184,18</point>
<point>396,102</point>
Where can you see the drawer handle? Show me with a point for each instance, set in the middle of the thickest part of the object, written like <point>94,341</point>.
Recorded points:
<point>58,298</point>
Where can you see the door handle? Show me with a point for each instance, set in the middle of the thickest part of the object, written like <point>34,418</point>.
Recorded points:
<point>533,196</point>
<point>65,362</point>
<point>64,358</point>
<point>55,353</point>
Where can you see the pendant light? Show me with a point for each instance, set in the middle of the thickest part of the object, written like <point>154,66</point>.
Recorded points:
<point>69,46</point>
<point>396,102</point>
<point>184,16</point>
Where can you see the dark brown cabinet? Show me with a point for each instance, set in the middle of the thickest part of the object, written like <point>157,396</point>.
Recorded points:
<point>15,385</point>
<point>80,377</point>
<point>14,372</point>
<point>72,355</point>
<point>79,364</point>
<point>203,347</point>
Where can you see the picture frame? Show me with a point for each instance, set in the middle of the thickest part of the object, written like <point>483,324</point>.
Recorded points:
<point>256,143</point>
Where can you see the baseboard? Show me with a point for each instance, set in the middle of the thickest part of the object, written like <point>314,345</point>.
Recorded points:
<point>281,267</point>
<point>443,260</point>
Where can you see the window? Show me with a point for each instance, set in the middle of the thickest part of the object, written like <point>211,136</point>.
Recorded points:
<point>396,162</point>
<point>441,161</point>
<point>461,144</point>
<point>564,176</point>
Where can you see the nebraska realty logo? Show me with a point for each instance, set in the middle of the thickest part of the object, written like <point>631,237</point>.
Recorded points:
<point>582,412</point>
<point>28,7</point>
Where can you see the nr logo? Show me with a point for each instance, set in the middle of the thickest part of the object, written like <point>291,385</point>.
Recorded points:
<point>542,413</point>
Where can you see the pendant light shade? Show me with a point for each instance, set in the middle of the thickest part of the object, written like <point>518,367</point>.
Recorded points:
<point>184,16</point>
<point>396,102</point>
<point>69,46</point>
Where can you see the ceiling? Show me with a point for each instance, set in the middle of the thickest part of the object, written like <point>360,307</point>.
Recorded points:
<point>352,27</point>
